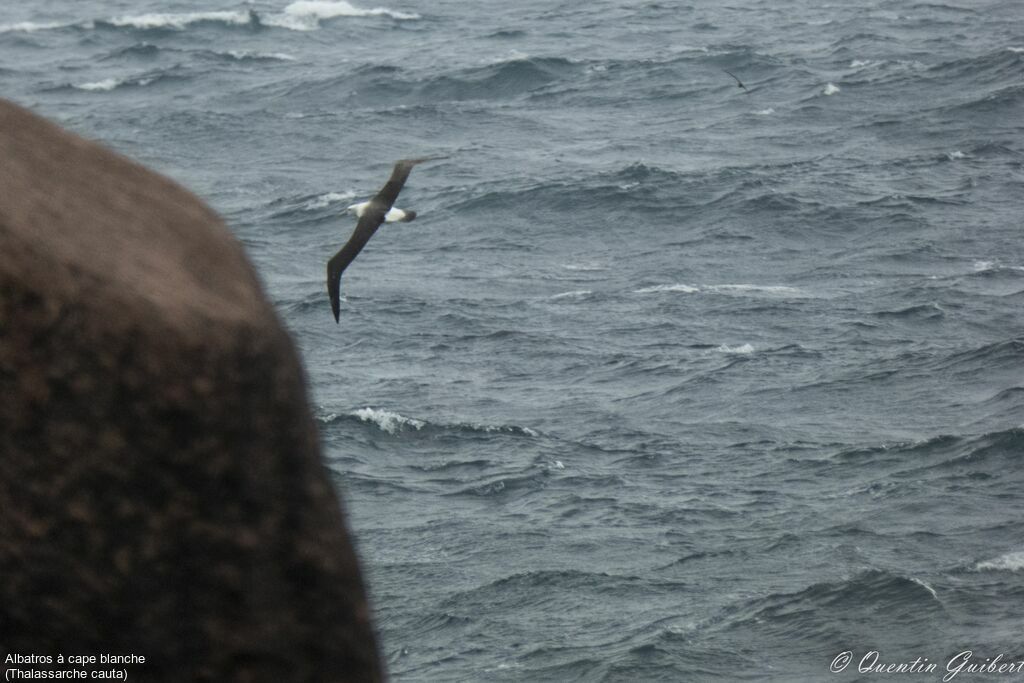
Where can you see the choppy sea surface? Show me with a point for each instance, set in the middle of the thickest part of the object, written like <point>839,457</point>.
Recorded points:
<point>670,380</point>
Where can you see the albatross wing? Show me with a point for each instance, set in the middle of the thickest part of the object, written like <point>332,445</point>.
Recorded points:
<point>365,228</point>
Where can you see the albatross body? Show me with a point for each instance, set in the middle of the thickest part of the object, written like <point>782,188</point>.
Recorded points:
<point>394,214</point>
<point>370,214</point>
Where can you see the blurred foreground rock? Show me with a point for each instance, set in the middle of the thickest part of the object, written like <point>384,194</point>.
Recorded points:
<point>161,488</point>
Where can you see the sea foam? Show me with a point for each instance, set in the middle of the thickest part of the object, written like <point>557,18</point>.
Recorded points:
<point>775,290</point>
<point>329,198</point>
<point>745,349</point>
<point>686,289</point>
<point>100,86</point>
<point>181,20</point>
<point>305,15</point>
<point>29,27</point>
<point>388,420</point>
<point>575,294</point>
<point>1012,562</point>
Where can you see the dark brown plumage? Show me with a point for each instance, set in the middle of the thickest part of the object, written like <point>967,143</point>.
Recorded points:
<point>739,83</point>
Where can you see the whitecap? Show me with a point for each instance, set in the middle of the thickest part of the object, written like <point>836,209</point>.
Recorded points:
<point>305,15</point>
<point>956,154</point>
<point>925,586</point>
<point>586,267</point>
<point>100,86</point>
<point>758,289</point>
<point>329,198</point>
<point>679,49</point>
<point>830,89</point>
<point>29,27</point>
<point>1011,562</point>
<point>249,54</point>
<point>742,350</point>
<point>494,429</point>
<point>858,63</point>
<point>765,112</point>
<point>993,266</point>
<point>686,289</point>
<point>389,421</point>
<point>575,294</point>
<point>1015,49</point>
<point>182,20</point>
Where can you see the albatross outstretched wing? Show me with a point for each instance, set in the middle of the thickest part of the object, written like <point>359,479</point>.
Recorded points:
<point>373,216</point>
<point>739,83</point>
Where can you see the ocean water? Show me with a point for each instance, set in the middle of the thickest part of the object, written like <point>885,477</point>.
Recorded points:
<point>670,380</point>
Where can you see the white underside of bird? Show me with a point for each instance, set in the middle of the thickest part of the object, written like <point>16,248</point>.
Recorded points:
<point>394,214</point>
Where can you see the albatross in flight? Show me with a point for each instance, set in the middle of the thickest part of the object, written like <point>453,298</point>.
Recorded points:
<point>371,214</point>
<point>739,83</point>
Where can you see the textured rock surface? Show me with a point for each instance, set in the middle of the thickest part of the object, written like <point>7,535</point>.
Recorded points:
<point>161,490</point>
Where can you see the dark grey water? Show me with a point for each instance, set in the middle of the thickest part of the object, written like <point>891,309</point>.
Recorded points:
<point>669,381</point>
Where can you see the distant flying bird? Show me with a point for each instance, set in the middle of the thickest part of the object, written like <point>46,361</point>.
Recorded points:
<point>738,81</point>
<point>371,214</point>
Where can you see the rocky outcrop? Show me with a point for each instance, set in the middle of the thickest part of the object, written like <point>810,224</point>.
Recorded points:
<point>161,488</point>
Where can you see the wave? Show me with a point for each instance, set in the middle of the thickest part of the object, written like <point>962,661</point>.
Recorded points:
<point>541,586</point>
<point>637,187</point>
<point>737,289</point>
<point>877,72</point>
<point>179,21</point>
<point>306,15</point>
<point>640,189</point>
<point>142,80</point>
<point>986,268</point>
<point>745,349</point>
<point>148,51</point>
<point>585,267</point>
<point>931,311</point>
<point>388,421</point>
<point>992,66</point>
<point>900,450</point>
<point>309,209</point>
<point>998,102</point>
<point>138,50</point>
<point>254,56</point>
<point>685,289</point>
<point>32,27</point>
<point>394,423</point>
<point>871,595</point>
<point>946,456</point>
<point>1010,562</point>
<point>399,89</point>
<point>303,15</point>
<point>531,480</point>
<point>1005,354</point>
<point>501,80</point>
<point>575,294</point>
<point>327,199</point>
<point>101,86</point>
<point>1014,395</point>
